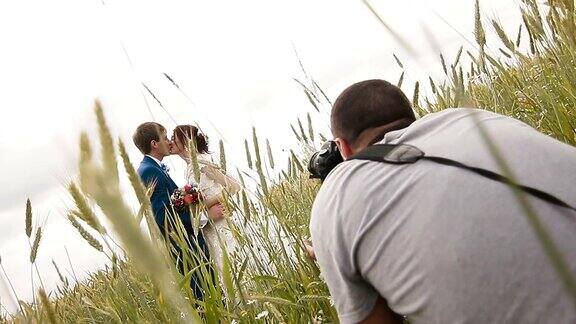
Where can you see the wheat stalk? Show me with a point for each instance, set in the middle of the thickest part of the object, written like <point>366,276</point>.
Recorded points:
<point>458,56</point>
<point>310,127</point>
<point>245,205</point>
<point>406,45</point>
<point>296,162</point>
<point>502,35</point>
<point>84,211</point>
<point>263,182</point>
<point>62,278</point>
<point>478,29</point>
<point>114,265</point>
<point>259,168</point>
<point>535,19</point>
<point>108,196</point>
<point>248,155</point>
<point>28,218</point>
<point>398,61</point>
<point>146,257</point>
<point>443,62</point>
<point>275,311</point>
<point>140,191</point>
<point>311,97</point>
<point>35,245</point>
<point>270,155</point>
<point>551,19</point>
<point>107,145</point>
<point>222,156</point>
<point>416,95</point>
<point>295,133</point>
<point>193,155</point>
<point>139,188</point>
<point>85,148</point>
<point>432,85</point>
<point>302,133</point>
<point>86,163</point>
<point>400,81</point>
<point>256,146</point>
<point>84,233</point>
<point>47,306</point>
<point>530,33</point>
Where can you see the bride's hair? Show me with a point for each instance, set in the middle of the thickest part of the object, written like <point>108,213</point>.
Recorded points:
<point>189,132</point>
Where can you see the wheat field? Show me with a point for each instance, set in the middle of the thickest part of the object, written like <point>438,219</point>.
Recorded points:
<point>270,277</point>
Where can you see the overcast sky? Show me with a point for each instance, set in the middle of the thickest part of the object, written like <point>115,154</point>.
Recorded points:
<point>234,59</point>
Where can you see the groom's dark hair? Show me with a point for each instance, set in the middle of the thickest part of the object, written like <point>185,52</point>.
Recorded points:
<point>145,134</point>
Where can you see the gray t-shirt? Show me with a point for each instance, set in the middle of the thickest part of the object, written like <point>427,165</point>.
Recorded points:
<point>442,244</point>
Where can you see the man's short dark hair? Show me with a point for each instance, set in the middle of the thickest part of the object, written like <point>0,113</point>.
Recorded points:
<point>368,104</point>
<point>145,134</point>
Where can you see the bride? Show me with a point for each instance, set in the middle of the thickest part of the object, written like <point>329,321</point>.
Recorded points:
<point>214,185</point>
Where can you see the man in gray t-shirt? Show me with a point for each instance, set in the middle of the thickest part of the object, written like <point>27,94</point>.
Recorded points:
<point>435,243</point>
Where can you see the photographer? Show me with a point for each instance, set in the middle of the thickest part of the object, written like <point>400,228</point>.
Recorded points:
<point>436,242</point>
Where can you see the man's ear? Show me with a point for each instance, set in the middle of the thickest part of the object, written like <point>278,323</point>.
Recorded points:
<point>344,148</point>
<point>153,145</point>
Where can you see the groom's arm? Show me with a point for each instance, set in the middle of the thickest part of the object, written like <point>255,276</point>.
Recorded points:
<point>160,195</point>
<point>186,220</point>
<point>160,200</point>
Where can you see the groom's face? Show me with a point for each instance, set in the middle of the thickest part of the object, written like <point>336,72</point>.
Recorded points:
<point>163,145</point>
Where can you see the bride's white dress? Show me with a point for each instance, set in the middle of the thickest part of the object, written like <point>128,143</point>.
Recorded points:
<point>214,184</point>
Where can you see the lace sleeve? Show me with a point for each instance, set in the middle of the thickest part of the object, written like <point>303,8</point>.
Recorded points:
<point>213,181</point>
<point>210,189</point>
<point>216,181</point>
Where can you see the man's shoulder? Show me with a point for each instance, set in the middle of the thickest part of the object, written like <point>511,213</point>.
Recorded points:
<point>462,111</point>
<point>346,181</point>
<point>353,170</point>
<point>454,125</point>
<point>147,170</point>
<point>465,116</point>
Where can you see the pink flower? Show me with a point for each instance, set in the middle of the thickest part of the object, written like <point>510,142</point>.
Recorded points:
<point>189,199</point>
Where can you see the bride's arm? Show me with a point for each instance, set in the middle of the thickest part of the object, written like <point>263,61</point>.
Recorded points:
<point>229,184</point>
<point>215,185</point>
<point>211,201</point>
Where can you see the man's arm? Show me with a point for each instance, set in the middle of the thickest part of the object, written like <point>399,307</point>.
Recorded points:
<point>159,197</point>
<point>381,313</point>
<point>355,299</point>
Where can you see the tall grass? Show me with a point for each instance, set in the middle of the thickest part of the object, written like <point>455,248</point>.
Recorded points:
<point>269,277</point>
<point>535,83</point>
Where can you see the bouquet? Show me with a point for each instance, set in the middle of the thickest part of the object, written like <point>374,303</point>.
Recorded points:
<point>184,198</point>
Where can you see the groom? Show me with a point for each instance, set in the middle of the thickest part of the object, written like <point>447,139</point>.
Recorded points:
<point>152,140</point>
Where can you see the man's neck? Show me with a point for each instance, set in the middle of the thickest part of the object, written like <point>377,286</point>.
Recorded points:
<point>156,155</point>
<point>373,135</point>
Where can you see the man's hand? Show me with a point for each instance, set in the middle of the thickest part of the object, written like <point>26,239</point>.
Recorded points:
<point>310,249</point>
<point>216,212</point>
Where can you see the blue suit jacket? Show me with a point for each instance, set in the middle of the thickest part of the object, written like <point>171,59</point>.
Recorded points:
<point>150,172</point>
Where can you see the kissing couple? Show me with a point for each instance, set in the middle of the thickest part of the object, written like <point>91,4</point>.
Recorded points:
<point>214,184</point>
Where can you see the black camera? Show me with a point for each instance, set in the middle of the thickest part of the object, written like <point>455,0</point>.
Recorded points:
<point>323,161</point>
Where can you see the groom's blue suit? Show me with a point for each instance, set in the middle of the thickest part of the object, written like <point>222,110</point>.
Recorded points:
<point>151,173</point>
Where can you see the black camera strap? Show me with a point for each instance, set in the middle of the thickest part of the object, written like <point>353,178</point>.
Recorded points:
<point>408,154</point>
